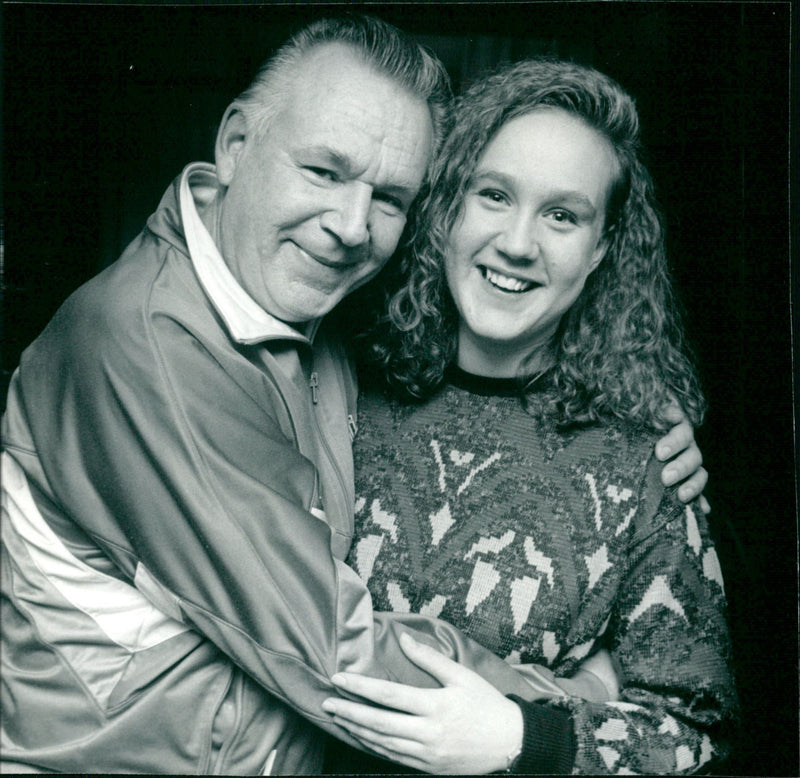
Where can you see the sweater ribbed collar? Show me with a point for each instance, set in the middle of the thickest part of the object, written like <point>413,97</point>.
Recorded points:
<point>483,385</point>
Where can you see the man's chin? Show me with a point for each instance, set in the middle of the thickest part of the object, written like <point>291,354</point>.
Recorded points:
<point>311,309</point>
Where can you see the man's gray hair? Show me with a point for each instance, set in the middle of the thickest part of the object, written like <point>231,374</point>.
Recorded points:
<point>385,48</point>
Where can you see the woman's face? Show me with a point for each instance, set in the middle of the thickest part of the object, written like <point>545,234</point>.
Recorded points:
<point>530,233</point>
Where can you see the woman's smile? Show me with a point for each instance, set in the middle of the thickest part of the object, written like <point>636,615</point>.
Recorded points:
<point>506,283</point>
<point>529,235</point>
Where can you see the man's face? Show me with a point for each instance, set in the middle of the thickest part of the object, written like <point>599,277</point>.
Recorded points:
<point>315,207</point>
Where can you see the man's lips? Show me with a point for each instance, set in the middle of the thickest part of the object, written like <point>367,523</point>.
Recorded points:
<point>332,263</point>
<point>505,283</point>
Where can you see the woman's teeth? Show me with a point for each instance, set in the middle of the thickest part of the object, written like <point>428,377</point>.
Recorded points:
<point>506,283</point>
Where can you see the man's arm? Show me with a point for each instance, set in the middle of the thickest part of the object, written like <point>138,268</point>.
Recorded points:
<point>677,698</point>
<point>684,460</point>
<point>188,481</point>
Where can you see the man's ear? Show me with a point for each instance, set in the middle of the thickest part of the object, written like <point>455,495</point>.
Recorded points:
<point>231,139</point>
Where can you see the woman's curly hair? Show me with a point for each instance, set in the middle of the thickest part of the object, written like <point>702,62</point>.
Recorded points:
<point>620,349</point>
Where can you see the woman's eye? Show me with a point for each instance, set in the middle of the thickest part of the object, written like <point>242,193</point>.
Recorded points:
<point>563,217</point>
<point>493,195</point>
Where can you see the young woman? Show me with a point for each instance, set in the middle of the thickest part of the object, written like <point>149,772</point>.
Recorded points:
<point>506,480</point>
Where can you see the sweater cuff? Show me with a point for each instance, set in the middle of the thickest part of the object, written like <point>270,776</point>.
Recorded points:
<point>548,739</point>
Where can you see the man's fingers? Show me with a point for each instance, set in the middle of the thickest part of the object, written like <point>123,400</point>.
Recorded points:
<point>683,466</point>
<point>693,487</point>
<point>675,441</point>
<point>674,413</point>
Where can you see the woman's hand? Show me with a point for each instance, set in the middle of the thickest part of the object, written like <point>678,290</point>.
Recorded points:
<point>465,727</point>
<point>687,463</point>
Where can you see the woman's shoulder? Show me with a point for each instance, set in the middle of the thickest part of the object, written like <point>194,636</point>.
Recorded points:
<point>657,505</point>
<point>613,436</point>
<point>613,455</point>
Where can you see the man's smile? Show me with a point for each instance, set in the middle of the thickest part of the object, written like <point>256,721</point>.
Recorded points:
<point>341,263</point>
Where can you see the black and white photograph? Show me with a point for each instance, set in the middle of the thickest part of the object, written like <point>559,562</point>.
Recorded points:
<point>399,388</point>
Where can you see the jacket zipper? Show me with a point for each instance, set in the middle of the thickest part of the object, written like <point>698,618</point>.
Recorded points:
<point>313,384</point>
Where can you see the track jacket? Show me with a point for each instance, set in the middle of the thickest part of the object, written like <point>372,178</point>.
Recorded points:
<point>177,503</point>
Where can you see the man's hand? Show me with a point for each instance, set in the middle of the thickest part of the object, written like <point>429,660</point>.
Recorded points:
<point>686,466</point>
<point>465,727</point>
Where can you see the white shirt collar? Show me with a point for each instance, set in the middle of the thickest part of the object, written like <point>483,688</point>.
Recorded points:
<point>245,319</point>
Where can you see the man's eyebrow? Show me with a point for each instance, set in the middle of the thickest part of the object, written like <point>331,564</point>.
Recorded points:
<point>404,190</point>
<point>341,162</point>
<point>334,157</point>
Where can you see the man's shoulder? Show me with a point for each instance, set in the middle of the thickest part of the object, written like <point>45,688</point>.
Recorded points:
<point>113,311</point>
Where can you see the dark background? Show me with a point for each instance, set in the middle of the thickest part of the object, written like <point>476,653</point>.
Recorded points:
<point>104,105</point>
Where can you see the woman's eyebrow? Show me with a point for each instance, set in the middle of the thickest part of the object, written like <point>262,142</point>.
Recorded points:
<point>492,176</point>
<point>573,197</point>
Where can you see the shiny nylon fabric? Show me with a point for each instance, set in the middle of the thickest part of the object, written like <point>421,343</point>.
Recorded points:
<point>208,483</point>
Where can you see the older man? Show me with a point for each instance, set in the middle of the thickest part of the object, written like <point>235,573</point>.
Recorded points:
<point>177,475</point>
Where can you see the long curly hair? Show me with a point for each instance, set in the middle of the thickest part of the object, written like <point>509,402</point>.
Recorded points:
<point>620,349</point>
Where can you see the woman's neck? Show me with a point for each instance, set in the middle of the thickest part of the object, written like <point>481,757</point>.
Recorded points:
<point>500,362</point>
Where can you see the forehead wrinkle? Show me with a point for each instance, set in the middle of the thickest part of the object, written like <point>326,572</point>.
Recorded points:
<point>397,143</point>
<point>378,138</point>
<point>408,172</point>
<point>370,118</point>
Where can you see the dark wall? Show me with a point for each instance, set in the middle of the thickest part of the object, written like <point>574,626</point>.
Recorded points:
<point>104,105</point>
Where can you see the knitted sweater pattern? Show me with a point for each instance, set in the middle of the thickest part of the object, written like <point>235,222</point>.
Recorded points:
<point>543,546</point>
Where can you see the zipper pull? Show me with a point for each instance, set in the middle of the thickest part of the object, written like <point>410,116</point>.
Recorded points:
<point>352,426</point>
<point>314,383</point>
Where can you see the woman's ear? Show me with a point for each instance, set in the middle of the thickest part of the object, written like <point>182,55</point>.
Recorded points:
<point>599,252</point>
<point>231,139</point>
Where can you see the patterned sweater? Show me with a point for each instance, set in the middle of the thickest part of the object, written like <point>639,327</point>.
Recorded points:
<point>543,546</point>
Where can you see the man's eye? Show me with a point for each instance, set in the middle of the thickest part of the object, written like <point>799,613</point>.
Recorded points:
<point>321,172</point>
<point>391,200</point>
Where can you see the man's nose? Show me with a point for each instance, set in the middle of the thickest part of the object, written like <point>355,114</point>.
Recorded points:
<point>348,216</point>
<point>518,238</point>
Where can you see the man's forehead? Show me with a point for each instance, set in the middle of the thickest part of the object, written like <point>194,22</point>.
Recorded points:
<point>336,60</point>
<point>336,72</point>
<point>343,110</point>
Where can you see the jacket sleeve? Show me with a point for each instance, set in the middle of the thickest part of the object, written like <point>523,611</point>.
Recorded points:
<point>670,642</point>
<point>189,481</point>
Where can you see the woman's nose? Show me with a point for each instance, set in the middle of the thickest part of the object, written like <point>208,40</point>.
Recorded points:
<point>517,240</point>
